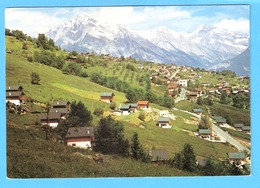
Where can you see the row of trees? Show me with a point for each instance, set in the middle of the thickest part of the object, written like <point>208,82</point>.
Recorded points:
<point>239,100</point>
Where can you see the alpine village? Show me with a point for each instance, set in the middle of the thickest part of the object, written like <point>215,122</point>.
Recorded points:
<point>72,114</point>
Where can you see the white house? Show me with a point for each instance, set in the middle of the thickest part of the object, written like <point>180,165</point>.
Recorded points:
<point>183,82</point>
<point>15,94</point>
<point>81,137</point>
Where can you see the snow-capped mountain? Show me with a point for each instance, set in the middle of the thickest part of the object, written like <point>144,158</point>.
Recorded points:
<point>205,47</point>
<point>207,44</point>
<point>239,64</point>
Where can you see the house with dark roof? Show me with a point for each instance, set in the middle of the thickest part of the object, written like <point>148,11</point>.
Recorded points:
<point>164,122</point>
<point>51,119</point>
<point>133,107</point>
<point>60,104</point>
<point>192,96</point>
<point>246,129</point>
<point>125,109</point>
<point>13,88</point>
<point>107,97</point>
<point>15,97</point>
<point>64,112</point>
<point>81,137</point>
<point>205,133</point>
<point>238,126</point>
<point>220,120</point>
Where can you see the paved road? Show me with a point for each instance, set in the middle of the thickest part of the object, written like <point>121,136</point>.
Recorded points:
<point>182,95</point>
<point>229,138</point>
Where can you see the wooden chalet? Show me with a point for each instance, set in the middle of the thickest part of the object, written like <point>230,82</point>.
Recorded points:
<point>13,88</point>
<point>52,119</point>
<point>81,137</point>
<point>205,133</point>
<point>192,96</point>
<point>63,111</point>
<point>125,109</point>
<point>107,97</point>
<point>237,158</point>
<point>15,94</point>
<point>220,120</point>
<point>238,126</point>
<point>164,122</point>
<point>133,107</point>
<point>15,97</point>
<point>246,129</point>
<point>60,104</point>
<point>143,104</point>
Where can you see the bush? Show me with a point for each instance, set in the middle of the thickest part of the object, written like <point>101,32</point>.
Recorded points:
<point>141,116</point>
<point>35,78</point>
<point>98,112</point>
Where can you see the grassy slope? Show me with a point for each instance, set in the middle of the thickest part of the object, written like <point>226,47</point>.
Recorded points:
<point>29,155</point>
<point>55,85</point>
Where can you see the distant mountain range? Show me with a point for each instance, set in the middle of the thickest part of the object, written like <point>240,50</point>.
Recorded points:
<point>206,47</point>
<point>239,64</point>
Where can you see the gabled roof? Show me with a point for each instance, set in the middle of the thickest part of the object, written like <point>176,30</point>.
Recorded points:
<point>236,155</point>
<point>59,103</point>
<point>52,115</point>
<point>238,125</point>
<point>163,119</point>
<point>61,110</point>
<point>107,94</point>
<point>13,88</point>
<point>14,93</point>
<point>205,131</point>
<point>173,86</point>
<point>159,155</point>
<point>133,105</point>
<point>192,93</point>
<point>220,119</point>
<point>246,128</point>
<point>197,110</point>
<point>143,102</point>
<point>124,106</point>
<point>77,132</point>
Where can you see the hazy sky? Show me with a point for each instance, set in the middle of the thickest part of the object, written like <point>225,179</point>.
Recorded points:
<point>179,18</point>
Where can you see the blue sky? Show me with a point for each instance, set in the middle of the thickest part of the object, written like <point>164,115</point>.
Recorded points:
<point>179,18</point>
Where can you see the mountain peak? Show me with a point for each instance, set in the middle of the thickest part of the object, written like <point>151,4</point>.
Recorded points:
<point>204,47</point>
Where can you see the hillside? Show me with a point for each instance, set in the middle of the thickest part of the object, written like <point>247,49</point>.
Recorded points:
<point>55,85</point>
<point>29,155</point>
